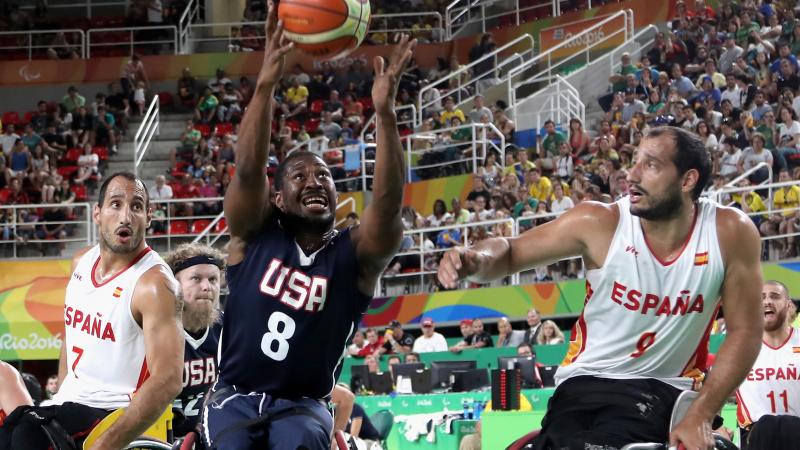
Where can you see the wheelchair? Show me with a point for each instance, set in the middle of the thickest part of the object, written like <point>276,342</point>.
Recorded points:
<point>678,412</point>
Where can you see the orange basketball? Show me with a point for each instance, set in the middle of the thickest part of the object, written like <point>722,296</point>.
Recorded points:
<point>325,28</point>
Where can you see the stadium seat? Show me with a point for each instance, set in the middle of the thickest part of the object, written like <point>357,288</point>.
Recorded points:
<point>67,171</point>
<point>199,225</point>
<point>101,152</point>
<point>316,106</point>
<point>204,129</point>
<point>221,227</point>
<point>294,125</point>
<point>11,117</point>
<point>312,125</point>
<point>72,155</point>
<point>179,227</point>
<point>28,117</point>
<point>80,192</point>
<point>164,99</point>
<point>223,129</point>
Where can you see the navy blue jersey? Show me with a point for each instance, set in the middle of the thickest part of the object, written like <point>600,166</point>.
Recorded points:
<point>199,374</point>
<point>289,316</point>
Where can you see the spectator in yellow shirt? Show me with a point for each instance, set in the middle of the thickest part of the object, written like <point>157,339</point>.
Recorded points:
<point>750,202</point>
<point>786,199</point>
<point>539,186</point>
<point>451,111</point>
<point>296,100</point>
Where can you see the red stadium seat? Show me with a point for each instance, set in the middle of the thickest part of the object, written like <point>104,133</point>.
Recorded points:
<point>294,125</point>
<point>199,225</point>
<point>316,106</point>
<point>164,99</point>
<point>101,152</point>
<point>11,117</point>
<point>204,129</point>
<point>67,171</point>
<point>28,117</point>
<point>72,155</point>
<point>223,129</point>
<point>221,226</point>
<point>312,125</point>
<point>80,192</point>
<point>179,227</point>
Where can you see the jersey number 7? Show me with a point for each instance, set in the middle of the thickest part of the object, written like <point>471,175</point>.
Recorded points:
<point>78,351</point>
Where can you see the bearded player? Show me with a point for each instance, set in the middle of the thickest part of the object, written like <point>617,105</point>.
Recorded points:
<point>658,261</point>
<point>198,268</point>
<point>773,385</point>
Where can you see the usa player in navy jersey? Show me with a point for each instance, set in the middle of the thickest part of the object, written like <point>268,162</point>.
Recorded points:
<point>198,269</point>
<point>298,287</point>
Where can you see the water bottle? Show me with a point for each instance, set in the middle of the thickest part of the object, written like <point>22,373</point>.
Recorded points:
<point>465,405</point>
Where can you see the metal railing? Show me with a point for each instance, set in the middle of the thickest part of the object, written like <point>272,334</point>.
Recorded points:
<point>147,129</point>
<point>222,33</point>
<point>19,233</point>
<point>403,119</point>
<point>457,153</point>
<point>34,41</point>
<point>548,66</point>
<point>88,5</point>
<point>561,103</point>
<point>521,51</point>
<point>190,14</point>
<point>322,145</point>
<point>113,38</point>
<point>459,14</point>
<point>437,32</point>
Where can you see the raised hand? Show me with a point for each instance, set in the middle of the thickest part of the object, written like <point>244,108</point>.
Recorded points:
<point>276,46</point>
<point>384,89</point>
<point>455,265</point>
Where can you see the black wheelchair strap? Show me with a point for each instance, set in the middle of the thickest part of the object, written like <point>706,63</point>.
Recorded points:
<point>58,436</point>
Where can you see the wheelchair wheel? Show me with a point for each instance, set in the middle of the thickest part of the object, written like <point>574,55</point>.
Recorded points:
<point>147,444</point>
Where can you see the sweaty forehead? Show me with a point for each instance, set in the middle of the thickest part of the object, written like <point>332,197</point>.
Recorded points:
<point>121,187</point>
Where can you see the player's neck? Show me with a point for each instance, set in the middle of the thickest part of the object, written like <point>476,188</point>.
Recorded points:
<point>310,242</point>
<point>113,263</point>
<point>777,337</point>
<point>668,236</point>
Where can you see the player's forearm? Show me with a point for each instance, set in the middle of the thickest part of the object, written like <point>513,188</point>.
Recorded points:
<point>734,360</point>
<point>387,187</point>
<point>252,149</point>
<point>494,260</point>
<point>146,407</point>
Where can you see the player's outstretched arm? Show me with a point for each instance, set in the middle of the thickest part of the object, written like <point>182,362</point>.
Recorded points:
<point>155,305</point>
<point>564,237</point>
<point>741,298</point>
<point>247,199</point>
<point>378,238</point>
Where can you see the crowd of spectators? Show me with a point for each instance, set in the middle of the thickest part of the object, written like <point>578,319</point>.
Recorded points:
<point>56,155</point>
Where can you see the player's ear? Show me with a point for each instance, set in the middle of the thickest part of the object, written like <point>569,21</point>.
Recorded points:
<point>96,213</point>
<point>278,197</point>
<point>690,180</point>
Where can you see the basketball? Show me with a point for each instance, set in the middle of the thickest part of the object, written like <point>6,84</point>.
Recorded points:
<point>325,28</point>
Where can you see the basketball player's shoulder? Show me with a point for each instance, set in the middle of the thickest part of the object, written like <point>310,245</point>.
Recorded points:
<point>158,279</point>
<point>597,216</point>
<point>737,234</point>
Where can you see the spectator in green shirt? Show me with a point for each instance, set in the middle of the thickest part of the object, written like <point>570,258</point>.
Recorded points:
<point>207,106</point>
<point>73,100</point>
<point>548,150</point>
<point>745,27</point>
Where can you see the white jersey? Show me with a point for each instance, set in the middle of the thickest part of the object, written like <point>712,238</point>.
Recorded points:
<point>647,318</point>
<point>104,344</point>
<point>773,384</point>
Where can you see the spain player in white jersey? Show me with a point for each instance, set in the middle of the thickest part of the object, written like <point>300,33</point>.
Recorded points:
<point>773,385</point>
<point>657,263</point>
<point>123,343</point>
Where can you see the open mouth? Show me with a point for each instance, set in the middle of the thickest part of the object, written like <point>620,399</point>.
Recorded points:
<point>124,234</point>
<point>769,313</point>
<point>635,194</point>
<point>315,202</point>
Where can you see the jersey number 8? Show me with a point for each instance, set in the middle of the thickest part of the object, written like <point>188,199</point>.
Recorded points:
<point>280,328</point>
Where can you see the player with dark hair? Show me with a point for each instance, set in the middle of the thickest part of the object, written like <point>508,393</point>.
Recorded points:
<point>298,287</point>
<point>122,343</point>
<point>198,268</point>
<point>771,388</point>
<point>658,261</point>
